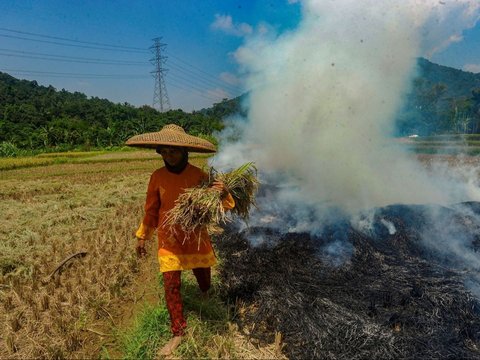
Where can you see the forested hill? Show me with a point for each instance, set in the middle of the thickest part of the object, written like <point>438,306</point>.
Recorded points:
<point>459,83</point>
<point>442,100</point>
<point>39,117</point>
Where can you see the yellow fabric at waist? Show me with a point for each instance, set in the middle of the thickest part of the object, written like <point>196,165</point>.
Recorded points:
<point>173,262</point>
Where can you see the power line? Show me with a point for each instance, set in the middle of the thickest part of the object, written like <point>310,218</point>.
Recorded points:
<point>197,77</point>
<point>108,45</point>
<point>66,75</point>
<point>212,82</point>
<point>43,56</point>
<point>200,93</point>
<point>199,73</point>
<point>173,76</point>
<point>69,74</point>
<point>186,81</point>
<point>192,66</point>
<point>202,81</point>
<point>97,44</point>
<point>71,45</point>
<point>72,40</point>
<point>178,84</point>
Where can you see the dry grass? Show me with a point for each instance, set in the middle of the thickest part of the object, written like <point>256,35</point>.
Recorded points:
<point>243,184</point>
<point>51,212</point>
<point>201,207</point>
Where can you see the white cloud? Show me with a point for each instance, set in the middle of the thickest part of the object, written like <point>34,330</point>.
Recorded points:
<point>263,29</point>
<point>475,68</point>
<point>225,23</point>
<point>244,28</point>
<point>444,22</point>
<point>444,44</point>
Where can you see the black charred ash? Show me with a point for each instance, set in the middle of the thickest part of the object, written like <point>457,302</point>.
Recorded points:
<point>393,298</point>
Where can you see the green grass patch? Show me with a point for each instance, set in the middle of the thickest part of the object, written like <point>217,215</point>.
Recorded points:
<point>153,327</point>
<point>85,157</point>
<point>209,332</point>
<point>71,154</point>
<point>17,163</point>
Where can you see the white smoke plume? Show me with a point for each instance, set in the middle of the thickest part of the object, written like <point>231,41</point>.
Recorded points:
<point>323,99</point>
<point>321,112</point>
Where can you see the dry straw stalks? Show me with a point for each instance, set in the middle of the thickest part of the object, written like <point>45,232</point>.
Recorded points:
<point>49,219</point>
<point>201,207</point>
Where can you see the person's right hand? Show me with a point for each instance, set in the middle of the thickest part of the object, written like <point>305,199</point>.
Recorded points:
<point>141,252</point>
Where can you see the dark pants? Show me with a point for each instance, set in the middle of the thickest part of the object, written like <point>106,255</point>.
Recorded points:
<point>172,283</point>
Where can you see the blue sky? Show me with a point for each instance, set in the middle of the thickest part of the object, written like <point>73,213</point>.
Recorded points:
<point>68,44</point>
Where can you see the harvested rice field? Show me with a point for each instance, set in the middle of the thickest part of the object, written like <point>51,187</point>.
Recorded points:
<point>48,214</point>
<point>71,285</point>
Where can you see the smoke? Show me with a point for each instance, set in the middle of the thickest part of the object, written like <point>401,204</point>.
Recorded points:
<point>324,96</point>
<point>321,109</point>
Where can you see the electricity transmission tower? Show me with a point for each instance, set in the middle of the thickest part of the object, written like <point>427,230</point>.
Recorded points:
<point>160,96</point>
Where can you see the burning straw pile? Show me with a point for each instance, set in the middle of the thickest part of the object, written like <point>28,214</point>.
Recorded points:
<point>200,207</point>
<point>393,298</point>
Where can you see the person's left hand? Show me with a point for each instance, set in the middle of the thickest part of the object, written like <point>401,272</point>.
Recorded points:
<point>220,186</point>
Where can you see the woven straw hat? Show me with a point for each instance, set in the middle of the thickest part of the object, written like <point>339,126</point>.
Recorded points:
<point>172,135</point>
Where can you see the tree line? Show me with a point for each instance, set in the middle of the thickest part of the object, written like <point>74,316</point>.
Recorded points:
<point>36,117</point>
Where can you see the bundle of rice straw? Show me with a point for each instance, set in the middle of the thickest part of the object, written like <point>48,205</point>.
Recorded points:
<point>201,206</point>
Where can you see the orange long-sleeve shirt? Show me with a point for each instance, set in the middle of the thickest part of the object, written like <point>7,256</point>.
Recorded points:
<point>174,253</point>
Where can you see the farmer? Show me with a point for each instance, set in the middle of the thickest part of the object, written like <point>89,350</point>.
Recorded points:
<point>176,251</point>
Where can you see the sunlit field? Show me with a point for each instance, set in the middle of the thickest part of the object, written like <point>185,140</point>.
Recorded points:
<point>71,285</point>
<point>52,212</point>
<point>102,302</point>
